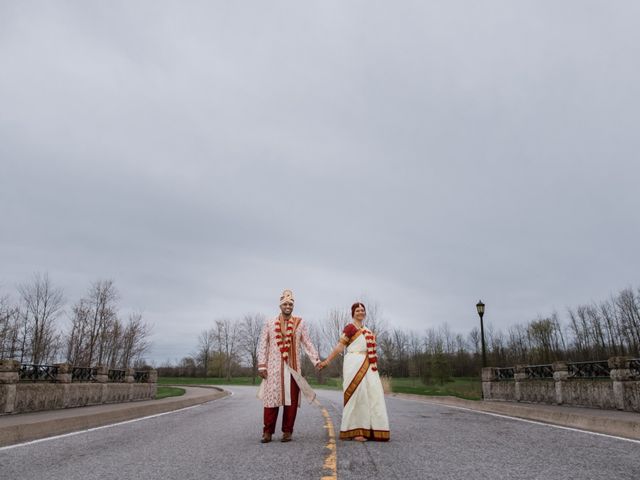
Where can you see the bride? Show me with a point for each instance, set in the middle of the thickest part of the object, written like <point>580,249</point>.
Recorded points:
<point>364,416</point>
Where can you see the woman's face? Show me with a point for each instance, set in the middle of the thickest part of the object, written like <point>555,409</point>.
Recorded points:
<point>359,313</point>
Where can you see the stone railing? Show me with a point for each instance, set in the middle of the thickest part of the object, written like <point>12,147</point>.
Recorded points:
<point>610,384</point>
<point>31,388</point>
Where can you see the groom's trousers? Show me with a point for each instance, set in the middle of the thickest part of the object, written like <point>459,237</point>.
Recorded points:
<point>288,415</point>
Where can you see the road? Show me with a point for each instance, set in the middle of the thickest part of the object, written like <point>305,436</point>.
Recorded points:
<point>220,440</point>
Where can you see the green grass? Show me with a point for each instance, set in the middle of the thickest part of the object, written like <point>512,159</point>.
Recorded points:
<point>206,381</point>
<point>329,383</point>
<point>463,387</point>
<point>164,392</point>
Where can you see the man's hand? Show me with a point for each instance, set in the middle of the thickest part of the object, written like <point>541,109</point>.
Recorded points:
<point>262,373</point>
<point>322,364</point>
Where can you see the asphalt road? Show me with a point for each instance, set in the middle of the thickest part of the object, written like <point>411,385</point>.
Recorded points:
<point>220,440</point>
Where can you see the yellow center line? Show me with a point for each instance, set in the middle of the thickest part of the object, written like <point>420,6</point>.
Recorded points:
<point>330,465</point>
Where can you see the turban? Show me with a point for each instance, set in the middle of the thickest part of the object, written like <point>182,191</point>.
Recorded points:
<point>287,296</point>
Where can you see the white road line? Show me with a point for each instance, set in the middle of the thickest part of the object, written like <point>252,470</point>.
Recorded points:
<point>525,420</point>
<point>71,434</point>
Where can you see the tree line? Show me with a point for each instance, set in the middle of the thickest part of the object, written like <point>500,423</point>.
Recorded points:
<point>593,331</point>
<point>95,334</point>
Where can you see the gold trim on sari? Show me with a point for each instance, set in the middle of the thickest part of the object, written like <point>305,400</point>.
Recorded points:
<point>355,336</point>
<point>377,435</point>
<point>356,380</point>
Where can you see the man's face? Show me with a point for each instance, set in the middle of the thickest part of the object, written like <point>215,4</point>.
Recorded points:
<point>286,308</point>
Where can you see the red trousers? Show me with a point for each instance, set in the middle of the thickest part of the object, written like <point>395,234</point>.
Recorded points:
<point>289,415</point>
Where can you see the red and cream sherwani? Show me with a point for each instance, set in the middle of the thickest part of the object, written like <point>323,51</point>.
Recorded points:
<point>279,388</point>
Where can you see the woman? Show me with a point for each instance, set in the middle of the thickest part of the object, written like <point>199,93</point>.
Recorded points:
<point>364,416</point>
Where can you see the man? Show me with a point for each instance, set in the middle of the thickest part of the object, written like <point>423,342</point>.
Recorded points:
<point>279,365</point>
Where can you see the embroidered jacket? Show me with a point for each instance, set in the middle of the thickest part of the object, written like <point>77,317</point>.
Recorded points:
<point>273,353</point>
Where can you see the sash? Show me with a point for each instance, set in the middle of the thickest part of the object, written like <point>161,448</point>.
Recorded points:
<point>305,388</point>
<point>357,379</point>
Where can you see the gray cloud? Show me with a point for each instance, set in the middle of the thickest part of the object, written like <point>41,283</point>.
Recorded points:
<point>205,156</point>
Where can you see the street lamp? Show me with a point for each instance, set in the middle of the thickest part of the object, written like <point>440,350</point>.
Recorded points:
<point>480,309</point>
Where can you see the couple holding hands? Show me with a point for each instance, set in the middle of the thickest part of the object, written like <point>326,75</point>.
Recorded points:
<point>364,416</point>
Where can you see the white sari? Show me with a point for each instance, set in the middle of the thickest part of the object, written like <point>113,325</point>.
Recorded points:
<point>365,412</point>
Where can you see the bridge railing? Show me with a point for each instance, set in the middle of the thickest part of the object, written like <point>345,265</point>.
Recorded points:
<point>37,373</point>
<point>505,373</point>
<point>49,373</point>
<point>610,384</point>
<point>84,374</point>
<point>539,371</point>
<point>30,387</point>
<point>598,369</point>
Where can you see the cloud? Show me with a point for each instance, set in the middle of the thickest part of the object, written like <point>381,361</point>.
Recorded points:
<point>207,156</point>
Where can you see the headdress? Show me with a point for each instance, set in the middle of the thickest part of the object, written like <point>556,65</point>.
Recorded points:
<point>287,296</point>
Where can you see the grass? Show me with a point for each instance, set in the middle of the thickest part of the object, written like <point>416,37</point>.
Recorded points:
<point>206,381</point>
<point>463,387</point>
<point>329,383</point>
<point>164,392</point>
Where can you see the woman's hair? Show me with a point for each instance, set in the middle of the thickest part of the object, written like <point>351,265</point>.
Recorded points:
<point>356,305</point>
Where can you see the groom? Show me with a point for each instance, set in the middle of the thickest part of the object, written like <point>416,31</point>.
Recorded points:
<point>279,364</point>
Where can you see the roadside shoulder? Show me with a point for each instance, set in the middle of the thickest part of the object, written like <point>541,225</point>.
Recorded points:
<point>33,426</point>
<point>608,422</point>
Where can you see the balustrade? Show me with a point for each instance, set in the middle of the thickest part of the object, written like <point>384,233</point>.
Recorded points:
<point>608,384</point>
<point>29,387</point>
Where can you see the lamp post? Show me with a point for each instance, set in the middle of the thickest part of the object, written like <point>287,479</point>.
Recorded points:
<point>480,309</point>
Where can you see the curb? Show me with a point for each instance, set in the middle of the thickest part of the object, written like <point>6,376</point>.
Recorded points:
<point>608,425</point>
<point>27,432</point>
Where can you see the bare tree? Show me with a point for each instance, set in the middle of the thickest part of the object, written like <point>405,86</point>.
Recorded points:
<point>43,304</point>
<point>77,352</point>
<point>628,304</point>
<point>102,298</point>
<point>251,327</point>
<point>315,335</point>
<point>400,345</point>
<point>375,320</point>
<point>9,328</point>
<point>330,329</point>
<point>229,345</point>
<point>206,345</point>
<point>98,336</point>
<point>474,340</point>
<point>135,340</point>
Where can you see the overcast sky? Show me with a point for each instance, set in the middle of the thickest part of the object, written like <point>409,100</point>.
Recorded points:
<point>206,155</point>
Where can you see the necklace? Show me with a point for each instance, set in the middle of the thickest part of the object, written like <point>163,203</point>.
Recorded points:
<point>371,348</point>
<point>284,342</point>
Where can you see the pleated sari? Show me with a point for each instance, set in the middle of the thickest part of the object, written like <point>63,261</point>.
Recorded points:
<point>364,413</point>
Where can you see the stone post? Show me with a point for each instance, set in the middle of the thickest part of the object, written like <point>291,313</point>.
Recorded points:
<point>102,378</point>
<point>64,374</point>
<point>9,378</point>
<point>488,376</point>
<point>620,373</point>
<point>560,376</point>
<point>153,383</point>
<point>64,377</point>
<point>153,376</point>
<point>129,379</point>
<point>102,374</point>
<point>519,376</point>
